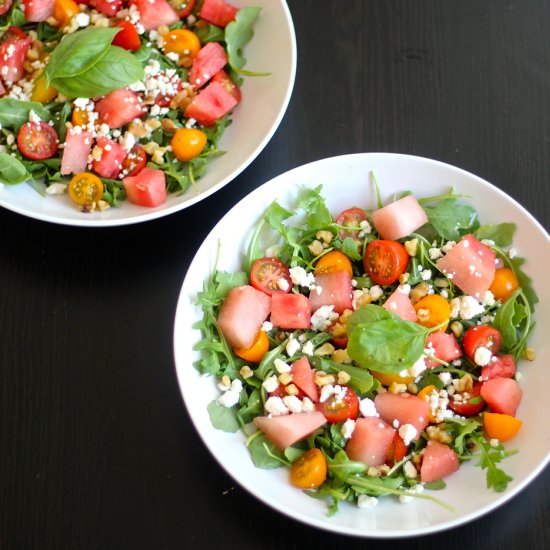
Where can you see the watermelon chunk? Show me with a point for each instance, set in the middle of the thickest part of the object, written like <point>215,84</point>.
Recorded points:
<point>285,430</point>
<point>218,12</point>
<point>370,441</point>
<point>107,7</point>
<point>405,408</point>
<point>210,104</point>
<point>78,146</point>
<point>13,53</point>
<point>147,188</point>
<point>444,346</point>
<point>399,219</point>
<point>120,107</point>
<point>336,290</point>
<point>154,13</point>
<point>109,164</point>
<point>242,315</point>
<point>206,64</point>
<point>38,10</point>
<point>290,311</point>
<point>400,304</point>
<point>438,462</point>
<point>499,365</point>
<point>470,265</point>
<point>303,378</point>
<point>503,395</point>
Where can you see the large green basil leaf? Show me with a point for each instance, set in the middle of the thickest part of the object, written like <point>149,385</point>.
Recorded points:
<point>369,313</point>
<point>452,220</point>
<point>116,69</point>
<point>78,52</point>
<point>12,170</point>
<point>238,33</point>
<point>14,112</point>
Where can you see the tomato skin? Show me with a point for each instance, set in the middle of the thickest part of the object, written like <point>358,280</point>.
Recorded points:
<point>183,7</point>
<point>188,143</point>
<point>385,261</point>
<point>481,336</point>
<point>266,273</point>
<point>85,188</point>
<point>504,284</point>
<point>135,161</point>
<point>397,450</point>
<point>337,410</point>
<point>128,37</point>
<point>13,33</point>
<point>467,408</point>
<point>256,351</point>
<point>310,470</point>
<point>350,219</point>
<point>333,261</point>
<point>5,5</point>
<point>37,140</point>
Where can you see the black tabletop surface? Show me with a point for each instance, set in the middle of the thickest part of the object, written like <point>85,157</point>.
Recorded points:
<point>97,449</point>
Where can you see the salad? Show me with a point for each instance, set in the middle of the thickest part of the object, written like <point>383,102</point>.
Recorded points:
<point>111,100</point>
<point>372,352</point>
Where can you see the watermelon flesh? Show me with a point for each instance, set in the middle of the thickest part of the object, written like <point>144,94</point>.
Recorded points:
<point>78,146</point>
<point>336,290</point>
<point>405,408</point>
<point>303,378</point>
<point>370,441</point>
<point>399,219</point>
<point>438,461</point>
<point>503,395</point>
<point>400,304</point>
<point>290,311</point>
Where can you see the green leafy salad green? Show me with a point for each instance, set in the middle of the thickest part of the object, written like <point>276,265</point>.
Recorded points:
<point>398,375</point>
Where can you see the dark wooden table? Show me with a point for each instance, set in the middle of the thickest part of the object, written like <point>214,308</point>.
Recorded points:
<point>97,450</point>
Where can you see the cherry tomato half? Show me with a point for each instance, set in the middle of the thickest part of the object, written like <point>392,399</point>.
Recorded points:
<point>184,43</point>
<point>333,261</point>
<point>385,261</point>
<point>13,34</point>
<point>128,37</point>
<point>135,161</point>
<point>37,140</point>
<point>481,336</point>
<point>351,219</point>
<point>5,5</point>
<point>182,7</point>
<point>266,274</point>
<point>337,408</point>
<point>256,351</point>
<point>85,188</point>
<point>397,450</point>
<point>310,470</point>
<point>466,407</point>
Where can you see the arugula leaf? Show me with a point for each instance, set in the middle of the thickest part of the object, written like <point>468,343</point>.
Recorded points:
<point>496,478</point>
<point>223,418</point>
<point>226,281</point>
<point>501,234</point>
<point>116,68</point>
<point>12,170</point>
<point>15,112</point>
<point>263,452</point>
<point>238,33</point>
<point>315,208</point>
<point>451,219</point>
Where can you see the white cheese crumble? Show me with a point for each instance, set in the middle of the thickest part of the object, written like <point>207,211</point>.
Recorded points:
<point>482,356</point>
<point>367,407</point>
<point>231,396</point>
<point>275,406</point>
<point>271,383</point>
<point>347,428</point>
<point>323,318</point>
<point>293,346</point>
<point>301,277</point>
<point>366,501</point>
<point>407,432</point>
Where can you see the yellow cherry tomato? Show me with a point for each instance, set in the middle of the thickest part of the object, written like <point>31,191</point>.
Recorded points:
<point>80,117</point>
<point>85,188</point>
<point>388,378</point>
<point>187,143</point>
<point>333,261</point>
<point>504,284</point>
<point>256,351</point>
<point>501,426</point>
<point>424,395</point>
<point>310,470</point>
<point>41,92</point>
<point>182,42</point>
<point>63,11</point>
<point>432,310</point>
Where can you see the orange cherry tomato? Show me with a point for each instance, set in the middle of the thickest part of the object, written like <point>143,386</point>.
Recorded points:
<point>187,143</point>
<point>333,261</point>
<point>385,261</point>
<point>184,43</point>
<point>42,92</point>
<point>432,310</point>
<point>501,426</point>
<point>63,11</point>
<point>388,378</point>
<point>80,117</point>
<point>85,188</point>
<point>257,350</point>
<point>310,470</point>
<point>424,394</point>
<point>504,284</point>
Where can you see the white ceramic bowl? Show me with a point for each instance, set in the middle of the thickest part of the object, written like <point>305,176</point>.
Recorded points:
<point>345,181</point>
<point>255,120</point>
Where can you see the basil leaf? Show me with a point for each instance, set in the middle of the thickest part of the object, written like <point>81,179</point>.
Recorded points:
<point>238,33</point>
<point>368,313</point>
<point>12,170</point>
<point>451,220</point>
<point>14,112</point>
<point>78,52</point>
<point>116,69</point>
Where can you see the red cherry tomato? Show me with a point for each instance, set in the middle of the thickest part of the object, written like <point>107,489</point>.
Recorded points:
<point>466,407</point>
<point>351,219</point>
<point>481,336</point>
<point>337,409</point>
<point>385,261</point>
<point>12,34</point>
<point>266,274</point>
<point>5,5</point>
<point>37,140</point>
<point>397,450</point>
<point>128,37</point>
<point>135,161</point>
<point>183,7</point>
